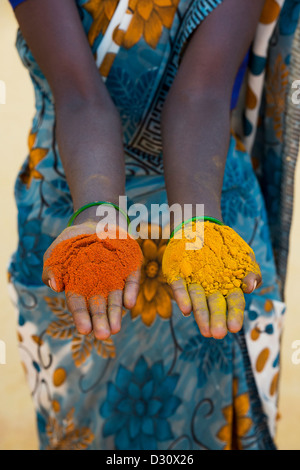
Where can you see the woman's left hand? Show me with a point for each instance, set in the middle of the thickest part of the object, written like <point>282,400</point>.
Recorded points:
<point>215,315</point>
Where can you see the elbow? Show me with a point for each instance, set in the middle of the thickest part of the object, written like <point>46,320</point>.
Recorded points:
<point>73,96</point>
<point>74,100</point>
<point>193,100</point>
<point>96,105</point>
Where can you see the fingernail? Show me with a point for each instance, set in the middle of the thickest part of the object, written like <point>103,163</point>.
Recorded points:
<point>51,286</point>
<point>102,334</point>
<point>254,287</point>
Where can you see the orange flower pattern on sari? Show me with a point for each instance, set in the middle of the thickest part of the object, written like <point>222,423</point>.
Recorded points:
<point>66,436</point>
<point>64,328</point>
<point>35,156</point>
<point>237,423</point>
<point>102,12</point>
<point>154,297</point>
<point>149,18</point>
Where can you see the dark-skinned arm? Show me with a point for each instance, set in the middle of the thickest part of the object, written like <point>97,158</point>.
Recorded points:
<point>88,128</point>
<point>196,114</point>
<point>89,136</point>
<point>196,133</point>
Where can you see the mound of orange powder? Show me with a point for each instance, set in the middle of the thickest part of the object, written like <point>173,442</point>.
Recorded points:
<point>88,265</point>
<point>220,263</point>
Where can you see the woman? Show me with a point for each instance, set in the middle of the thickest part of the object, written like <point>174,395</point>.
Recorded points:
<point>124,391</point>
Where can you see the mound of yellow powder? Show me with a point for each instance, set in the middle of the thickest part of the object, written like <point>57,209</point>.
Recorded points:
<point>219,265</point>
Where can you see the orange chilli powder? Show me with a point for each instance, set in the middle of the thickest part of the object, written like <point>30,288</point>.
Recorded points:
<point>89,266</point>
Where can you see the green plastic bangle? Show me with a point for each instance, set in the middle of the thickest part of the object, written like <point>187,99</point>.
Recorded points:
<point>204,218</point>
<point>99,203</point>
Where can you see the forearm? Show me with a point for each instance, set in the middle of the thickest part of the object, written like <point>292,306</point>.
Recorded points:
<point>195,148</point>
<point>90,143</point>
<point>88,128</point>
<point>196,115</point>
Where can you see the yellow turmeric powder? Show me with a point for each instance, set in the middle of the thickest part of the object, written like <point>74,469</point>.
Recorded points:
<point>220,265</point>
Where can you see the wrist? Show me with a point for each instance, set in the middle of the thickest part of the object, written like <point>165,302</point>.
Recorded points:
<point>210,210</point>
<point>102,216</point>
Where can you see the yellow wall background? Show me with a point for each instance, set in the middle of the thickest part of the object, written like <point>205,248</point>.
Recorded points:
<point>17,422</point>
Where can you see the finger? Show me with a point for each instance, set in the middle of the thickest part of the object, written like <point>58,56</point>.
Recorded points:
<point>217,309</point>
<point>77,306</point>
<point>115,303</point>
<point>98,312</point>
<point>200,308</point>
<point>48,278</point>
<point>251,282</point>
<point>131,289</point>
<point>181,296</point>
<point>235,310</point>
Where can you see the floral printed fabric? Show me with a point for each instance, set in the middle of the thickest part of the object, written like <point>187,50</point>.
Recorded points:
<point>158,384</point>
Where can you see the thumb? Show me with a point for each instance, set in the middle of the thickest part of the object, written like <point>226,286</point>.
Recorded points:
<point>49,279</point>
<point>251,282</point>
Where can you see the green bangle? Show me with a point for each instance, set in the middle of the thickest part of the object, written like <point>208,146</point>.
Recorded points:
<point>99,203</point>
<point>204,218</point>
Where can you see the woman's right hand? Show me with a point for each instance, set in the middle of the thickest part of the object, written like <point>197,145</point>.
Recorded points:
<point>95,314</point>
<point>88,134</point>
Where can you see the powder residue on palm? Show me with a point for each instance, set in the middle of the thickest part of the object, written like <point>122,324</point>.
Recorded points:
<point>221,263</point>
<point>88,265</point>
